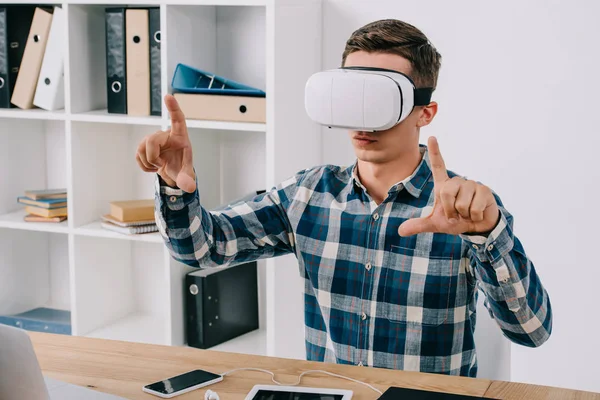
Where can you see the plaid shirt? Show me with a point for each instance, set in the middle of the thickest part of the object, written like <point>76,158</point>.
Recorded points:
<point>372,297</point>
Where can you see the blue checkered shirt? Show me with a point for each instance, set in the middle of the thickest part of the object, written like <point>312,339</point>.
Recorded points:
<point>372,297</point>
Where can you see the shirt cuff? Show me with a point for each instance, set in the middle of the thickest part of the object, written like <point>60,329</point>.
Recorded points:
<point>174,199</point>
<point>496,245</point>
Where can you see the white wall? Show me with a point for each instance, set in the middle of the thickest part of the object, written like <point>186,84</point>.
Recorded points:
<point>518,111</point>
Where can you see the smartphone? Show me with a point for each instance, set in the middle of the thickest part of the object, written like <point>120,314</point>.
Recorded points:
<point>183,383</point>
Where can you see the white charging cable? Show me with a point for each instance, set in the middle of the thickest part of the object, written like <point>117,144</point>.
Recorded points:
<point>300,377</point>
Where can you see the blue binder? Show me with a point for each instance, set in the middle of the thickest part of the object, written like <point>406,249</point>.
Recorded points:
<point>187,79</point>
<point>41,320</point>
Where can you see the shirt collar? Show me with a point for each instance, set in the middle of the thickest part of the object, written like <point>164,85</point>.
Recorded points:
<point>413,184</point>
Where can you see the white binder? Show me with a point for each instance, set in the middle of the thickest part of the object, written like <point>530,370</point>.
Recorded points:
<point>50,90</point>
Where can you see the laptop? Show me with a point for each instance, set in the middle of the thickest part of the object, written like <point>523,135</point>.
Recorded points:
<point>21,376</point>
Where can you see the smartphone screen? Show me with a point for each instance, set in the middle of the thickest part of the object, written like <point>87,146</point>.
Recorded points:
<point>183,381</point>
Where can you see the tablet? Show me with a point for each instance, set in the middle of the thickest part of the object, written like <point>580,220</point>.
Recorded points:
<point>272,392</point>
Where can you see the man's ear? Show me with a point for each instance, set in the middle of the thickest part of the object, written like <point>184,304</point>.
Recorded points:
<point>427,114</point>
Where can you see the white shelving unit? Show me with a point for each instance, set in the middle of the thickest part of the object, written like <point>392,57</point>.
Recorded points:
<point>128,287</point>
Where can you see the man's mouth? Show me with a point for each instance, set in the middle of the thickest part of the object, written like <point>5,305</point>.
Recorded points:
<point>364,139</point>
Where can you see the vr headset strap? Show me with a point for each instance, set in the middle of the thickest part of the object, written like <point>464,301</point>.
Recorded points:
<point>422,96</point>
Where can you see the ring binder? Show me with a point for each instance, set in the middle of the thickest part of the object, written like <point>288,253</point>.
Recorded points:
<point>191,80</point>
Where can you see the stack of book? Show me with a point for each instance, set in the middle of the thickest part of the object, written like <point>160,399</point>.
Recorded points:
<point>46,205</point>
<point>130,217</point>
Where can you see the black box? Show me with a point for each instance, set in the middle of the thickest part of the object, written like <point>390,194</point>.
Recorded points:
<point>221,304</point>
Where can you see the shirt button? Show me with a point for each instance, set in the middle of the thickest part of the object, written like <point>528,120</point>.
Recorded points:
<point>375,216</point>
<point>173,199</point>
<point>363,316</point>
<point>368,266</point>
<point>490,247</point>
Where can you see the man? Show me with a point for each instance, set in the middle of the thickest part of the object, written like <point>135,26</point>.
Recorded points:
<point>392,249</point>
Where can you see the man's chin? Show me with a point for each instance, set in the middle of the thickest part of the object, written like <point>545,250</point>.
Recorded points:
<point>369,156</point>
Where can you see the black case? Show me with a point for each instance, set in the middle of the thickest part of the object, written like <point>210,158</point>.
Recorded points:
<point>221,304</point>
<point>396,393</point>
<point>116,62</point>
<point>15,23</point>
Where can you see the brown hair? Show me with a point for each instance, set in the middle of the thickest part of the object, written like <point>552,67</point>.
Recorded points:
<point>398,37</point>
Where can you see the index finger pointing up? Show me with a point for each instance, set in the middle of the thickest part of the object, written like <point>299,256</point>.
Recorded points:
<point>178,125</point>
<point>438,167</point>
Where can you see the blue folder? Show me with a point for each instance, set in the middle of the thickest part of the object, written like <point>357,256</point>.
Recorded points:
<point>41,320</point>
<point>187,79</point>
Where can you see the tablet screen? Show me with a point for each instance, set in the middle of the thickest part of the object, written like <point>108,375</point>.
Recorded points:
<point>277,395</point>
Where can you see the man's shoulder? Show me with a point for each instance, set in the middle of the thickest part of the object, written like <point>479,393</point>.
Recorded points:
<point>323,175</point>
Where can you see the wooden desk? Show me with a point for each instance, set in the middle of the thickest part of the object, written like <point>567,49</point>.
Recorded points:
<point>122,368</point>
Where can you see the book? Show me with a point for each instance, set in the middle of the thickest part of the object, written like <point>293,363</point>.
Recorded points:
<point>132,210</point>
<point>41,320</point>
<point>46,194</point>
<point>110,219</point>
<point>43,212</point>
<point>43,203</point>
<point>37,218</point>
<point>130,230</point>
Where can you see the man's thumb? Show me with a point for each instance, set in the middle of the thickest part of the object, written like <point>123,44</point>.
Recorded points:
<point>414,226</point>
<point>186,179</point>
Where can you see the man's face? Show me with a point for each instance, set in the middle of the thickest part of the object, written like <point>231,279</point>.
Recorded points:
<point>388,145</point>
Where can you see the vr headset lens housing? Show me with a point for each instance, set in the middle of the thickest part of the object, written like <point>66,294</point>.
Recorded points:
<point>362,98</point>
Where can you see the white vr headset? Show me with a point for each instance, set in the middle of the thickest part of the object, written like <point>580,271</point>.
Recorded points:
<point>362,98</point>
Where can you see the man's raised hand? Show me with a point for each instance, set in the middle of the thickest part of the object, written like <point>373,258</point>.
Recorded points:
<point>461,205</point>
<point>169,153</point>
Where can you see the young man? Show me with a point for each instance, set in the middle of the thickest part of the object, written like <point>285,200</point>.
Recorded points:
<point>392,249</point>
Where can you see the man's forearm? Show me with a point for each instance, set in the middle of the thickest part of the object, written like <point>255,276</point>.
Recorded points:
<point>179,217</point>
<point>515,295</point>
<point>202,238</point>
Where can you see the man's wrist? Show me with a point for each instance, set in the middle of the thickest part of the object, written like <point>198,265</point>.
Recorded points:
<point>174,198</point>
<point>487,232</point>
<point>163,182</point>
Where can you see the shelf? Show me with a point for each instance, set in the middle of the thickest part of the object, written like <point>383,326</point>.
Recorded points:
<point>136,327</point>
<point>223,125</point>
<point>104,117</point>
<point>34,271</point>
<point>115,2</point>
<point>95,229</point>
<point>120,291</point>
<point>34,113</point>
<point>222,2</point>
<point>254,342</point>
<point>176,2</point>
<point>15,220</point>
<point>128,287</point>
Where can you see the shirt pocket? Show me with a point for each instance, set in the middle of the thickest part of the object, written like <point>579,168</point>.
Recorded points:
<point>419,287</point>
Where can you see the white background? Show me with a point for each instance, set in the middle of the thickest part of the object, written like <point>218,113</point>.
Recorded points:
<point>519,111</point>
